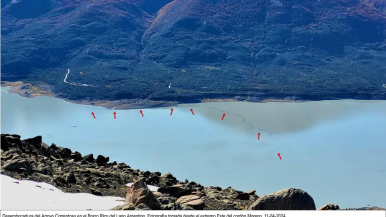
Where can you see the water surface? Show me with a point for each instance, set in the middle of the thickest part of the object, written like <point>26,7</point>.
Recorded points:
<point>334,150</point>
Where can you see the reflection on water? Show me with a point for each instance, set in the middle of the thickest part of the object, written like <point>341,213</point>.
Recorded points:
<point>279,117</point>
<point>328,148</point>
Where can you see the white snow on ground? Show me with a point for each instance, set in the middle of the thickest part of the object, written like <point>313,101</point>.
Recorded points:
<point>151,187</point>
<point>26,195</point>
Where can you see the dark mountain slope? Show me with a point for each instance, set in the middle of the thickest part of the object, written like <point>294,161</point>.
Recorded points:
<point>279,48</point>
<point>205,48</point>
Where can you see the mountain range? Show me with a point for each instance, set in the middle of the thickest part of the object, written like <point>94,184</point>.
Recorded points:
<point>190,50</point>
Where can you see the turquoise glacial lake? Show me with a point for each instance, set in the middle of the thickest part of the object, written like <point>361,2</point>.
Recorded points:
<point>334,150</point>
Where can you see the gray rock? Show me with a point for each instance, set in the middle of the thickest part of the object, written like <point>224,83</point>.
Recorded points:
<point>167,180</point>
<point>176,190</point>
<point>329,207</point>
<point>123,166</point>
<point>251,192</point>
<point>53,146</point>
<point>5,145</point>
<point>101,184</point>
<point>64,152</point>
<point>89,158</point>
<point>19,165</point>
<point>13,139</point>
<point>44,148</point>
<point>12,135</point>
<point>28,148</point>
<point>101,160</point>
<point>139,193</point>
<point>60,181</point>
<point>193,201</point>
<point>36,141</point>
<point>54,151</point>
<point>76,156</point>
<point>96,192</point>
<point>166,200</point>
<point>242,196</point>
<point>70,178</point>
<point>287,199</point>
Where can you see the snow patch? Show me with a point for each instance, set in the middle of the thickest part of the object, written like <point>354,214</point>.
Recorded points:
<point>30,195</point>
<point>151,187</point>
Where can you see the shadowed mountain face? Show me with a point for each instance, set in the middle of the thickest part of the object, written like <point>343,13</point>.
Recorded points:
<point>249,49</point>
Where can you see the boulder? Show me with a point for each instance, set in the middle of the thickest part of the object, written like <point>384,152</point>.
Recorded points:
<point>139,193</point>
<point>167,180</point>
<point>101,184</point>
<point>329,207</point>
<point>53,146</point>
<point>123,166</point>
<point>54,151</point>
<point>44,148</point>
<point>36,141</point>
<point>13,139</point>
<point>153,179</point>
<point>287,199</point>
<point>164,199</point>
<point>145,173</point>
<point>251,192</point>
<point>101,160</point>
<point>5,145</point>
<point>19,165</point>
<point>242,196</point>
<point>96,192</point>
<point>76,156</point>
<point>28,148</point>
<point>70,178</point>
<point>89,158</point>
<point>12,135</point>
<point>60,181</point>
<point>192,201</point>
<point>64,152</point>
<point>176,190</point>
<point>157,194</point>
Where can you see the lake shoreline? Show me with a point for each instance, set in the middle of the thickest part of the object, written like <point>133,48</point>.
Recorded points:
<point>18,87</point>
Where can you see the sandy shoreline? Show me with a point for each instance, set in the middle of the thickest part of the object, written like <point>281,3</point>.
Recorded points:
<point>33,91</point>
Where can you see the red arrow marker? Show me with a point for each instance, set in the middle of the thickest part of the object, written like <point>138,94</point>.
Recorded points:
<point>114,115</point>
<point>93,114</point>
<point>223,115</point>
<point>192,111</point>
<point>171,111</point>
<point>258,136</point>
<point>278,154</point>
<point>141,112</point>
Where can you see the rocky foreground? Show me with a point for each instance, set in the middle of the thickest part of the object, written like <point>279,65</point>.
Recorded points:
<point>71,172</point>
